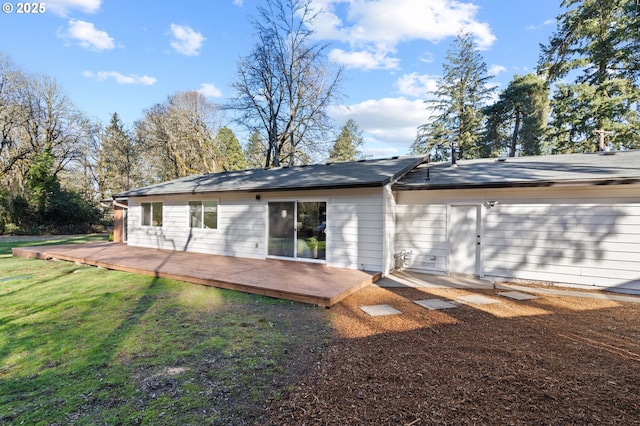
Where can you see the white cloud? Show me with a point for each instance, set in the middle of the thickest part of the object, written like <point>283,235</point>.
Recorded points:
<point>381,25</point>
<point>366,60</point>
<point>379,152</point>
<point>427,58</point>
<point>209,90</point>
<point>63,7</point>
<point>544,24</point>
<point>121,78</point>
<point>496,69</point>
<point>185,40</point>
<point>238,2</point>
<point>87,36</point>
<point>391,122</point>
<point>416,85</point>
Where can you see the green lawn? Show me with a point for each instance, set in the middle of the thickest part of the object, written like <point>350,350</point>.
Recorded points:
<point>85,345</point>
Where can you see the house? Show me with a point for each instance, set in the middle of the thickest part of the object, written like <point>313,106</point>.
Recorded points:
<point>340,214</point>
<point>571,218</point>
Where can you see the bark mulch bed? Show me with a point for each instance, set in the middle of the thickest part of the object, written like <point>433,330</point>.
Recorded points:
<point>552,360</point>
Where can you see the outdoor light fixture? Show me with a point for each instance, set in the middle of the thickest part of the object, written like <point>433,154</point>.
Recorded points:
<point>492,203</point>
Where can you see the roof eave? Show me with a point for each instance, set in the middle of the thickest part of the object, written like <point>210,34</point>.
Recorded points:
<point>519,184</point>
<point>263,189</point>
<point>391,180</point>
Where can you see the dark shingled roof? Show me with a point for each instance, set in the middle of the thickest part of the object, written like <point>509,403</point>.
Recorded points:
<point>596,169</point>
<point>358,174</point>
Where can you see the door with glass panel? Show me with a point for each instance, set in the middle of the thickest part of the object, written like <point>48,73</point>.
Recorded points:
<point>282,229</point>
<point>297,229</point>
<point>311,223</point>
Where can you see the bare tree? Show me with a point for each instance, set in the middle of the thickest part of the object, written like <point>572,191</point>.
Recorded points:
<point>285,84</point>
<point>53,122</point>
<point>12,115</point>
<point>177,137</point>
<point>80,173</point>
<point>36,115</point>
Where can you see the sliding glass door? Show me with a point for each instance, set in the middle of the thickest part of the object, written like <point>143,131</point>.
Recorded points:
<point>281,229</point>
<point>310,226</point>
<point>304,237</point>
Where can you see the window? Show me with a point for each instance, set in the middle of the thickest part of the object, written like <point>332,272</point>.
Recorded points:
<point>152,214</point>
<point>203,214</point>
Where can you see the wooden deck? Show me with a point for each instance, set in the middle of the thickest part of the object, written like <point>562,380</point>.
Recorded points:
<point>299,281</point>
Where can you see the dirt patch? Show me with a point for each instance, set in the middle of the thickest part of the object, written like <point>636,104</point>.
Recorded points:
<point>551,360</point>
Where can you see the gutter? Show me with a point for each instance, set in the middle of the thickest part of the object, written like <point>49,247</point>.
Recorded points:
<point>521,184</point>
<point>117,204</point>
<point>266,189</point>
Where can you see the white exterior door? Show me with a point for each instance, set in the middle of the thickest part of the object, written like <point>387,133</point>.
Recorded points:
<point>464,240</point>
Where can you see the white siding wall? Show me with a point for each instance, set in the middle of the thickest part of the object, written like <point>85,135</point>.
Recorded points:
<point>241,226</point>
<point>422,230</point>
<point>578,235</point>
<point>355,228</point>
<point>589,244</point>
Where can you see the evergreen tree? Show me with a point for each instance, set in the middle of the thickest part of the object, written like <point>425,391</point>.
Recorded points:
<point>456,110</point>
<point>632,29</point>
<point>231,155</point>
<point>255,151</point>
<point>596,42</point>
<point>117,159</point>
<point>42,183</point>
<point>516,122</point>
<point>346,145</point>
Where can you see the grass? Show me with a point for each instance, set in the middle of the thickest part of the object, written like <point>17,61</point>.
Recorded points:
<point>85,345</point>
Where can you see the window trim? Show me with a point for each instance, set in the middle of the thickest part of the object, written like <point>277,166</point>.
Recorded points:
<point>201,204</point>
<point>153,205</point>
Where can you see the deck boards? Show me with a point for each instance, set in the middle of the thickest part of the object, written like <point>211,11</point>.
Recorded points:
<point>298,281</point>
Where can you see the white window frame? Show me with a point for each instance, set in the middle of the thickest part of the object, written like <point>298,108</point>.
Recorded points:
<point>202,213</point>
<point>295,201</point>
<point>152,209</point>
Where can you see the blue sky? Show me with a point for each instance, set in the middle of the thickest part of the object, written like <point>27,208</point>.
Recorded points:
<point>125,56</point>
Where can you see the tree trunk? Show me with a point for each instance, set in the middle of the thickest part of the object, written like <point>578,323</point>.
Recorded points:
<point>514,137</point>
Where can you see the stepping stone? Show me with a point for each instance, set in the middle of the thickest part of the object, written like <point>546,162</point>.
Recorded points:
<point>435,304</point>
<point>476,299</point>
<point>378,310</point>
<point>517,295</point>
